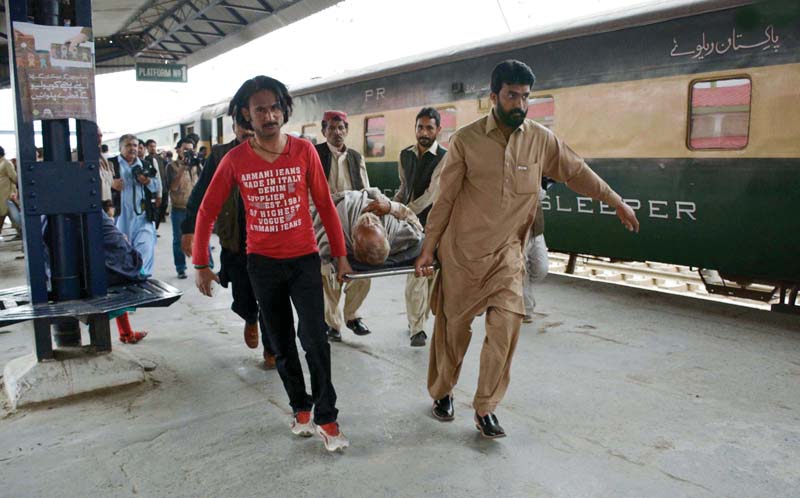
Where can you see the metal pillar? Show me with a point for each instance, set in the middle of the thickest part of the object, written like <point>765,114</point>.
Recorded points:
<point>100,332</point>
<point>64,236</point>
<point>72,209</point>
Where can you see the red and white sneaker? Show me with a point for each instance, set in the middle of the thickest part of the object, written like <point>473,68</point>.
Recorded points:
<point>302,424</point>
<point>332,437</point>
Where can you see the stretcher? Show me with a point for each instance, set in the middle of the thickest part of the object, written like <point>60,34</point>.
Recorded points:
<point>401,263</point>
<point>384,272</point>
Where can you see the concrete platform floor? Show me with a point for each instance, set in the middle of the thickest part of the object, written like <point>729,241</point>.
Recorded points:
<point>615,392</point>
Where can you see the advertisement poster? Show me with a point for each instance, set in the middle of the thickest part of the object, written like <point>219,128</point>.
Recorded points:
<point>55,67</point>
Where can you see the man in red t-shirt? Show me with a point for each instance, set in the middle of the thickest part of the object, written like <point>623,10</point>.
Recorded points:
<point>275,174</point>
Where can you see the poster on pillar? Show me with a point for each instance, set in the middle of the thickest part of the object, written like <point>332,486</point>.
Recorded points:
<point>55,71</point>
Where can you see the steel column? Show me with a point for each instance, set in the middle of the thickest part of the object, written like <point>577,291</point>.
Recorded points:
<point>76,255</point>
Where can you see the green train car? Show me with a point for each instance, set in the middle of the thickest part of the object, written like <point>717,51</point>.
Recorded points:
<point>690,110</point>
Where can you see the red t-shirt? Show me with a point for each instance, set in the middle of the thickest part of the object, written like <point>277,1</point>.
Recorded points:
<point>275,199</point>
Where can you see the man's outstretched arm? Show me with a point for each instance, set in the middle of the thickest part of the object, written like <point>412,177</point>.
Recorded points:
<point>563,164</point>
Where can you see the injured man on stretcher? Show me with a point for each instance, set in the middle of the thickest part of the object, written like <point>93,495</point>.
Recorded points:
<point>378,233</point>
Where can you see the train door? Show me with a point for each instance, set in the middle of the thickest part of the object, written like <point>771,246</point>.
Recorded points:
<point>220,135</point>
<point>309,131</point>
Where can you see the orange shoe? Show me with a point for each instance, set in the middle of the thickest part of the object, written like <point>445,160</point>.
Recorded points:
<point>251,335</point>
<point>270,361</point>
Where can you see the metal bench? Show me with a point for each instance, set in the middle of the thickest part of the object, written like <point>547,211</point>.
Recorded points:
<point>16,307</point>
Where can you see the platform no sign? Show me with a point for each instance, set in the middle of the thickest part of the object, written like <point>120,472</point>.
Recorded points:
<point>175,73</point>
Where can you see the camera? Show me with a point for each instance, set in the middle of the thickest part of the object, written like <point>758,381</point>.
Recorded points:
<point>190,159</point>
<point>148,206</point>
<point>144,169</point>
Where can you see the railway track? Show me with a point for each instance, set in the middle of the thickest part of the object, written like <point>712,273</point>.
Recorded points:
<point>669,278</point>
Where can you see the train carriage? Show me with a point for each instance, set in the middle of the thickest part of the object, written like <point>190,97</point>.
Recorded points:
<point>690,110</point>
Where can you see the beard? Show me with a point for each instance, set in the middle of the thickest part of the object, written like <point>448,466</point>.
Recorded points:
<point>425,142</point>
<point>512,118</point>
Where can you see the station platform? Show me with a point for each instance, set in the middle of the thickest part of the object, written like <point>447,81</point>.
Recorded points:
<point>615,392</point>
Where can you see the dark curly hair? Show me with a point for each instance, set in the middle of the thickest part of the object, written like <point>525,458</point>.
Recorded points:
<point>255,85</point>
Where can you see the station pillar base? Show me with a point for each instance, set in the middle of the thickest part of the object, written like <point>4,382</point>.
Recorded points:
<point>74,371</point>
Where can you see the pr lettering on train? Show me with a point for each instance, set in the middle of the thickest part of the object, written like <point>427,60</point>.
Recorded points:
<point>376,94</point>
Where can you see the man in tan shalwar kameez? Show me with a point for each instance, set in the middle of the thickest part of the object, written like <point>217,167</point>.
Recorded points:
<point>488,196</point>
<point>8,185</point>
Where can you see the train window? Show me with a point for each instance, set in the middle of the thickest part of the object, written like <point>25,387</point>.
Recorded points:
<point>542,110</point>
<point>309,132</point>
<point>375,137</point>
<point>448,125</point>
<point>719,116</point>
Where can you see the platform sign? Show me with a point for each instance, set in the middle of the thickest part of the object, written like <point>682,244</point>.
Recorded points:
<point>55,66</point>
<point>170,73</point>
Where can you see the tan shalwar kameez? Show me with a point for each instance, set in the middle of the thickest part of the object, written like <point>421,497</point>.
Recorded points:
<point>106,179</point>
<point>8,185</point>
<point>488,196</point>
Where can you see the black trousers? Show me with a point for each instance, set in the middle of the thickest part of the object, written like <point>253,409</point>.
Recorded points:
<point>299,279</point>
<point>233,270</point>
<point>162,210</point>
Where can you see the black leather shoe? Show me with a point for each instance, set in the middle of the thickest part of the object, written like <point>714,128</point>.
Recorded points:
<point>334,335</point>
<point>418,339</point>
<point>358,327</point>
<point>443,409</point>
<point>489,426</point>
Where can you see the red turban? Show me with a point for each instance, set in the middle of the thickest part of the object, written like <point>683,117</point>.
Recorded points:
<point>331,115</point>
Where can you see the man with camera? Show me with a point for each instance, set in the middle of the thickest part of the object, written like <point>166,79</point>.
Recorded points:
<point>182,175</point>
<point>137,214</point>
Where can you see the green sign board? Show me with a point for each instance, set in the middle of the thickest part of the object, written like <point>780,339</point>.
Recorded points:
<point>176,73</point>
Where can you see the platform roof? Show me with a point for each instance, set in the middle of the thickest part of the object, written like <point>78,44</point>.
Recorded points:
<point>178,31</point>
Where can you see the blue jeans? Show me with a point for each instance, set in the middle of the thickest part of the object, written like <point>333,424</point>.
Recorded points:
<point>176,217</point>
<point>14,214</point>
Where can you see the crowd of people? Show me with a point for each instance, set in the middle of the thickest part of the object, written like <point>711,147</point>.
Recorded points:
<point>294,219</point>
